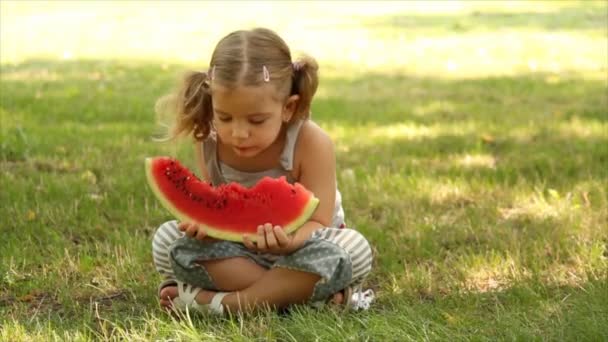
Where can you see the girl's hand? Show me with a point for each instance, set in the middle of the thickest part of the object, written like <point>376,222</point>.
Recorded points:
<point>272,240</point>
<point>194,231</point>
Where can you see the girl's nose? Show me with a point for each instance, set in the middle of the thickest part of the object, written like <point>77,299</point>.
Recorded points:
<point>240,131</point>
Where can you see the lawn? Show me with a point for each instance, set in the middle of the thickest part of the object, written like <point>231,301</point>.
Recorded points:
<point>472,150</point>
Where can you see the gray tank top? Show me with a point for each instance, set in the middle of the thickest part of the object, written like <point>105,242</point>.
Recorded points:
<point>221,173</point>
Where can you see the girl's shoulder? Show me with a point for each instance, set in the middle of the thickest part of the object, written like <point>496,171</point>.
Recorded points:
<point>311,133</point>
<point>312,145</point>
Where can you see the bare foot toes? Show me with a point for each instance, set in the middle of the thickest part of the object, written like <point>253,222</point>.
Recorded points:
<point>167,294</point>
<point>338,298</point>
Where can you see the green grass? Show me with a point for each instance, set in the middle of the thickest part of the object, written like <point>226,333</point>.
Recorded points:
<point>472,152</point>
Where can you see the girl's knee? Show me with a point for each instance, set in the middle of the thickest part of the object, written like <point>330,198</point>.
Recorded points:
<point>350,240</point>
<point>358,249</point>
<point>169,227</point>
<point>232,274</point>
<point>361,255</point>
<point>166,234</point>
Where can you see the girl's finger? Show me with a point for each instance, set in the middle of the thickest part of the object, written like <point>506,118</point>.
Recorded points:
<point>183,226</point>
<point>201,233</point>
<point>282,238</point>
<point>191,230</point>
<point>271,241</point>
<point>248,243</point>
<point>261,239</point>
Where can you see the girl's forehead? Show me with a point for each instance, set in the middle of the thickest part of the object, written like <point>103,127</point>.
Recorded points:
<point>243,90</point>
<point>234,100</point>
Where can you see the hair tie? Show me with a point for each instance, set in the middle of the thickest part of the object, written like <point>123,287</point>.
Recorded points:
<point>266,74</point>
<point>297,66</point>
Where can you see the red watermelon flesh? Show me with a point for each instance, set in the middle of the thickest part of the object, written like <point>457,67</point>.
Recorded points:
<point>228,211</point>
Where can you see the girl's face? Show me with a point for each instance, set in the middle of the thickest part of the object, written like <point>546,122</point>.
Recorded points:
<point>249,118</point>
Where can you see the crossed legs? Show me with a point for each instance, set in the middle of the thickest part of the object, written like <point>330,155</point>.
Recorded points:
<point>251,285</point>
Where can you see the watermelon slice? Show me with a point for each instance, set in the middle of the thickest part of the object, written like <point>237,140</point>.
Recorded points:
<point>229,211</point>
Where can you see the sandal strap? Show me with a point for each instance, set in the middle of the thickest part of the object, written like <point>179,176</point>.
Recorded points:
<point>216,302</point>
<point>186,299</point>
<point>187,293</point>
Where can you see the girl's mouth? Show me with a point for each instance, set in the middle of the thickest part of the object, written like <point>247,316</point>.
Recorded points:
<point>243,149</point>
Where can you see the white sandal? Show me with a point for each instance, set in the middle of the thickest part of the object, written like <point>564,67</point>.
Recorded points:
<point>186,299</point>
<point>356,299</point>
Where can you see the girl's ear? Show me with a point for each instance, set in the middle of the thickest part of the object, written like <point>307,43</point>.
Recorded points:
<point>290,107</point>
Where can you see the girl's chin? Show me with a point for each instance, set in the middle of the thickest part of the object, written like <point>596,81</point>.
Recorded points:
<point>246,152</point>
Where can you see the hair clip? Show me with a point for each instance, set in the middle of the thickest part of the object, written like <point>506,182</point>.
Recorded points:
<point>211,73</point>
<point>266,74</point>
<point>297,66</point>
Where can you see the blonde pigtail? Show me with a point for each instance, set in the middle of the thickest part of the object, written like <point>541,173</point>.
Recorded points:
<point>195,106</point>
<point>191,105</point>
<point>305,83</point>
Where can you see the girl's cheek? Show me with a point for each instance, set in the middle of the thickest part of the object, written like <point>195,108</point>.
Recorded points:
<point>224,132</point>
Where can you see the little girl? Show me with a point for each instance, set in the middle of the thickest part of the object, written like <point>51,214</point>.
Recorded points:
<point>249,116</point>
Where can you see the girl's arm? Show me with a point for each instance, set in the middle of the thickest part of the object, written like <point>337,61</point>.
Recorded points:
<point>314,168</point>
<point>316,163</point>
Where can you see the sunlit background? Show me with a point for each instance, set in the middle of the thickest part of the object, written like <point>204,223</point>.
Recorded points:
<point>439,38</point>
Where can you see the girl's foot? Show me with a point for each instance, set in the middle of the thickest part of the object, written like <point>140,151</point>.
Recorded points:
<point>338,298</point>
<point>168,293</point>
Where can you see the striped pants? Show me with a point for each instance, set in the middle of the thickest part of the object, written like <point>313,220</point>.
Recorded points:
<point>342,257</point>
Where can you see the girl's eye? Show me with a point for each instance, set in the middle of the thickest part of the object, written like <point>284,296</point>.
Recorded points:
<point>224,119</point>
<point>257,122</point>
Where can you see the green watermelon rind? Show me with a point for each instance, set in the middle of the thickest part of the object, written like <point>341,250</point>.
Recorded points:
<point>222,234</point>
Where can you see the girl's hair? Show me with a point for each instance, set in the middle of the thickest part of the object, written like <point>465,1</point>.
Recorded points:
<point>239,59</point>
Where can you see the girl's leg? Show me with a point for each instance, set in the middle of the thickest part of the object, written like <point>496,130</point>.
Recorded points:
<point>165,235</point>
<point>223,272</point>
<point>230,274</point>
<point>233,274</point>
<point>341,257</point>
<point>277,288</point>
